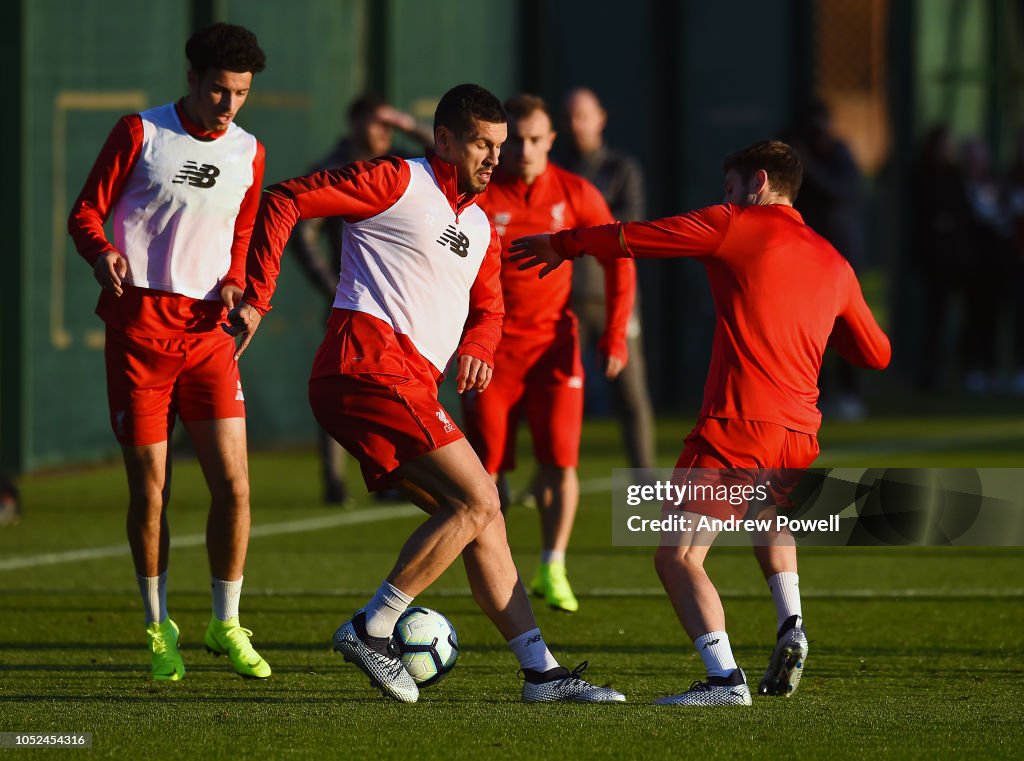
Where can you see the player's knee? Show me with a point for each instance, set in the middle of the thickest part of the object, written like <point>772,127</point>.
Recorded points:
<point>231,493</point>
<point>147,503</point>
<point>671,561</point>
<point>482,507</point>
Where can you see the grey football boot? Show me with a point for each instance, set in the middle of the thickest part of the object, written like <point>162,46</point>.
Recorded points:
<point>786,665</point>
<point>561,685</point>
<point>729,690</point>
<point>378,657</point>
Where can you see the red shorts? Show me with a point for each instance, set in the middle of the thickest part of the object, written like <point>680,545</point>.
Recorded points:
<point>747,450</point>
<point>382,420</point>
<point>149,380</point>
<point>543,379</point>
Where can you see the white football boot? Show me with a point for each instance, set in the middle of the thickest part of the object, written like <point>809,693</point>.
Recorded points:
<point>729,690</point>
<point>786,665</point>
<point>561,685</point>
<point>378,657</point>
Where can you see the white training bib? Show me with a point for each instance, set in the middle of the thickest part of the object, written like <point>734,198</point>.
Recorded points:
<point>414,264</point>
<point>175,218</point>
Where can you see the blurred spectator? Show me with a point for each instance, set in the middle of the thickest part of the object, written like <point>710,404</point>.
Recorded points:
<point>989,262</point>
<point>830,202</point>
<point>941,245</point>
<point>1015,202</point>
<point>620,181</point>
<point>371,123</point>
<point>10,506</point>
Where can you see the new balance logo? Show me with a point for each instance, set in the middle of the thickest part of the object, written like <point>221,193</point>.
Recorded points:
<point>198,176</point>
<point>456,241</point>
<point>709,644</point>
<point>533,640</point>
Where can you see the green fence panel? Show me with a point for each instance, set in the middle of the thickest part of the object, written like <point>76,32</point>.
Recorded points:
<point>85,65</point>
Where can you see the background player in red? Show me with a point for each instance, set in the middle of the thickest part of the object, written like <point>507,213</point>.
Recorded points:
<point>537,369</point>
<point>418,288</point>
<point>782,295</point>
<point>182,181</point>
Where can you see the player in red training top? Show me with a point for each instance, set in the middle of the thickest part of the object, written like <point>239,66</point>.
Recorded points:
<point>782,294</point>
<point>418,287</point>
<point>537,369</point>
<point>183,183</point>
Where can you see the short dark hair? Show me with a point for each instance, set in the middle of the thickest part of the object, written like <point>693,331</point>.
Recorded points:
<point>522,105</point>
<point>364,107</point>
<point>226,47</point>
<point>462,104</point>
<point>776,158</point>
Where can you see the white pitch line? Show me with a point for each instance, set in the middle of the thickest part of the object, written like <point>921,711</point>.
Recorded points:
<point>807,594</point>
<point>372,515</point>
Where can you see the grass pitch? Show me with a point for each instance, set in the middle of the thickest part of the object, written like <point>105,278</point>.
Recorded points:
<point>915,652</point>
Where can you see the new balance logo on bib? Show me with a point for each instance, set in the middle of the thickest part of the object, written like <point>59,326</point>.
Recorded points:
<point>198,176</point>
<point>456,240</point>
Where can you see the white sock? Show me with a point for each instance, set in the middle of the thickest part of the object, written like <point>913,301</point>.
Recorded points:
<point>531,652</point>
<point>225,598</point>
<point>384,610</point>
<point>552,556</point>
<point>786,594</point>
<point>716,652</point>
<point>154,596</point>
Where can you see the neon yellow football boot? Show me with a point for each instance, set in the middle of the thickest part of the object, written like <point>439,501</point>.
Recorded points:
<point>551,583</point>
<point>163,646</point>
<point>230,639</point>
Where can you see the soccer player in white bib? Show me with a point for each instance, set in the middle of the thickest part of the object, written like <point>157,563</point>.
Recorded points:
<point>182,181</point>
<point>419,287</point>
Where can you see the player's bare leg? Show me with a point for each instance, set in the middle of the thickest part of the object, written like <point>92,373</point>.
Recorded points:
<point>558,495</point>
<point>504,492</point>
<point>467,501</point>
<point>499,591</point>
<point>149,490</point>
<point>492,573</point>
<point>680,565</point>
<point>221,449</point>
<point>777,558</point>
<point>557,492</point>
<point>463,501</point>
<point>679,562</point>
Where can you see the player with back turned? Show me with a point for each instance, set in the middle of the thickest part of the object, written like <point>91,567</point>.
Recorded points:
<point>418,288</point>
<point>782,295</point>
<point>183,182</point>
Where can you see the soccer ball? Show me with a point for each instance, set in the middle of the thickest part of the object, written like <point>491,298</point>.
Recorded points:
<point>428,644</point>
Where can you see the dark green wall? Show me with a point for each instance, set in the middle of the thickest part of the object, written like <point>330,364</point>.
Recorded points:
<point>82,70</point>
<point>684,81</point>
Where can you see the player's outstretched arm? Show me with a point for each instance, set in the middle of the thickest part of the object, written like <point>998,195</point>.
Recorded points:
<point>856,335</point>
<point>535,251</point>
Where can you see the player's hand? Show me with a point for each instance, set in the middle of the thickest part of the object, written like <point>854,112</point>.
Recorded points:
<point>474,374</point>
<point>110,271</point>
<point>612,367</point>
<point>243,321</point>
<point>230,295</point>
<point>533,251</point>
<point>392,117</point>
